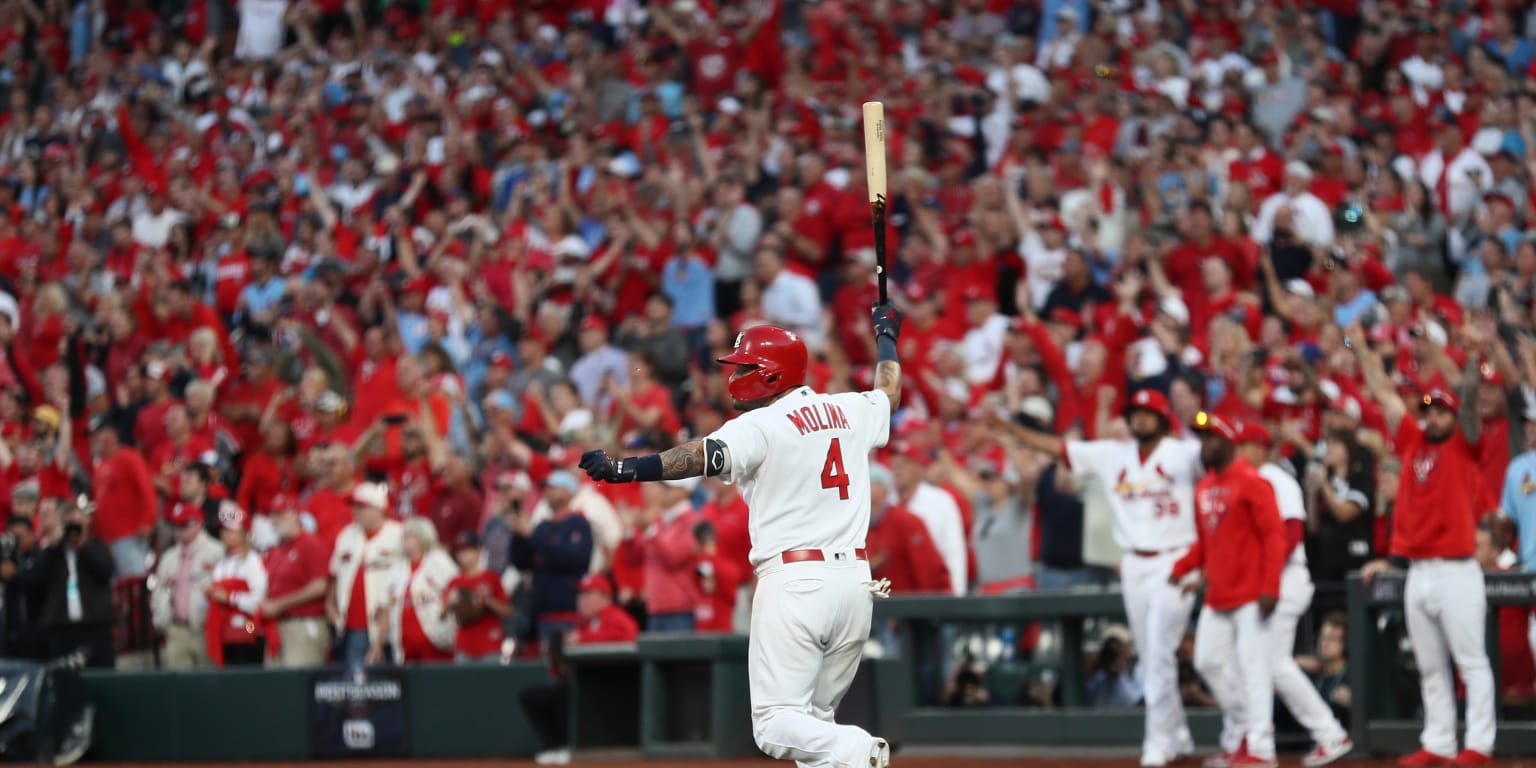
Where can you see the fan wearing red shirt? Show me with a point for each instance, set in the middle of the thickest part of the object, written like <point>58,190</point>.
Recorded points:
<point>645,405</point>
<point>298,571</point>
<point>720,577</point>
<point>1440,498</point>
<point>1241,548</point>
<point>900,547</point>
<point>477,600</point>
<point>126,506</point>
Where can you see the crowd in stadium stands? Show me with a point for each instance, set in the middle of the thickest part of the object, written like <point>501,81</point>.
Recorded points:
<point>310,307</point>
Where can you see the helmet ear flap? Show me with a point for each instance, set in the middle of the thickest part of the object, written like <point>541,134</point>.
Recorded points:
<point>773,378</point>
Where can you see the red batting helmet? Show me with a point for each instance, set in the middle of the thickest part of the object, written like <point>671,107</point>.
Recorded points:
<point>779,358</point>
<point>1154,401</point>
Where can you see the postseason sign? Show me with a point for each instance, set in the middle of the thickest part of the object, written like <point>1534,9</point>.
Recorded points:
<point>357,713</point>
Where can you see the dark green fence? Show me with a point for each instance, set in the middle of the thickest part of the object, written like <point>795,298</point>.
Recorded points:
<point>680,696</point>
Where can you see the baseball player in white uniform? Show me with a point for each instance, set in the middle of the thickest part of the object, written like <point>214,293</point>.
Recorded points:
<point>802,461</point>
<point>1331,741</point>
<point>1151,484</point>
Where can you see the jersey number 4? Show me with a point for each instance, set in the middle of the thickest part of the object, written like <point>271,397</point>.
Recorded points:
<point>832,473</point>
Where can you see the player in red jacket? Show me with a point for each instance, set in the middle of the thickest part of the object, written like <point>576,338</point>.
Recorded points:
<point>1440,497</point>
<point>900,547</point>
<point>1241,549</point>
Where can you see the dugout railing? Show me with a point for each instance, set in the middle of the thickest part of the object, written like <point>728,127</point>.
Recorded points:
<point>927,628</point>
<point>1384,684</point>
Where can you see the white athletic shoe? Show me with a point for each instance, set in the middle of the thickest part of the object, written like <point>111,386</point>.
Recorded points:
<point>1153,759</point>
<point>879,754</point>
<point>1323,754</point>
<point>553,757</point>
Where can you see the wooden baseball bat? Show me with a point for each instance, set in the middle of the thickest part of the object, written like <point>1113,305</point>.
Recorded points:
<point>874,164</point>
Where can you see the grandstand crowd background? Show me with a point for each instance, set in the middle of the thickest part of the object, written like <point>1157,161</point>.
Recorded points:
<point>271,265</point>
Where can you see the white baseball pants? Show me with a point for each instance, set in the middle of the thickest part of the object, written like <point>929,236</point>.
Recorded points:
<point>809,623</point>
<point>1291,684</point>
<point>1244,693</point>
<point>1159,616</point>
<point>1447,606</point>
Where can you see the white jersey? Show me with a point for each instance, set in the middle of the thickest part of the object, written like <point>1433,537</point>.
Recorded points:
<point>808,454</point>
<point>1290,501</point>
<point>261,28</point>
<point>941,516</point>
<point>1152,500</point>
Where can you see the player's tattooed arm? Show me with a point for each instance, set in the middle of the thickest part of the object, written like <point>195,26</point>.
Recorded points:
<point>686,460</point>
<point>888,380</point>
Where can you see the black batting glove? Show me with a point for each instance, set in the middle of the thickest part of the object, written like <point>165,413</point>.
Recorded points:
<point>887,321</point>
<point>605,469</point>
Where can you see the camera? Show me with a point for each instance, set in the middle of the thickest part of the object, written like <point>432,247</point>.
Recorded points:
<point>1348,217</point>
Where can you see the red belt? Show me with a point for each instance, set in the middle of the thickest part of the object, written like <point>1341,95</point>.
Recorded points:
<point>815,555</point>
<point>1150,552</point>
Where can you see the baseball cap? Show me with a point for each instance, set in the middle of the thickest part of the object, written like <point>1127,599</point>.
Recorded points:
<point>373,495</point>
<point>595,582</point>
<point>182,514</point>
<point>562,479</point>
<point>1210,422</point>
<point>1488,374</point>
<point>1253,432</point>
<point>910,450</point>
<point>282,502</point>
<point>1151,400</point>
<point>1442,398</point>
<point>466,540</point>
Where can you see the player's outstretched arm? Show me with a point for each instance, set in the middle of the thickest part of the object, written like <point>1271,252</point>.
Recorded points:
<point>1040,441</point>
<point>887,325</point>
<point>690,459</point>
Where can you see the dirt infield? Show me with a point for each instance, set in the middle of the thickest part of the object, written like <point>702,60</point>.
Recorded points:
<point>898,761</point>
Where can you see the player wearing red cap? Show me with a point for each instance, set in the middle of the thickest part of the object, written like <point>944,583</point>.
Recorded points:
<point>1292,686</point>
<point>1241,550</point>
<point>1150,486</point>
<point>802,460</point>
<point>1439,500</point>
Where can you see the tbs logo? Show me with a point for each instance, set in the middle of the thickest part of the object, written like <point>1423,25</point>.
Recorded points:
<point>357,734</point>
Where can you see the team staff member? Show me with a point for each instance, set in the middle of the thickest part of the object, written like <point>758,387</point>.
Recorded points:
<point>1150,484</point>
<point>1434,531</point>
<point>298,569</point>
<point>1241,549</point>
<point>547,706</point>
<point>1291,684</point>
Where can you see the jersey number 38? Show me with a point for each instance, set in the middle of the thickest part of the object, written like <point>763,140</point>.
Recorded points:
<point>832,473</point>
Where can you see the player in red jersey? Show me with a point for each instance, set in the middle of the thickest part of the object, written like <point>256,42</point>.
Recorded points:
<point>1241,549</point>
<point>1439,500</point>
